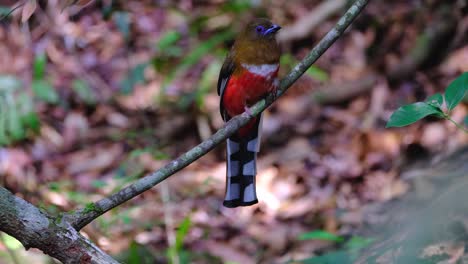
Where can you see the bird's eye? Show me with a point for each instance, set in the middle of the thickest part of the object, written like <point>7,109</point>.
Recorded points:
<point>259,29</point>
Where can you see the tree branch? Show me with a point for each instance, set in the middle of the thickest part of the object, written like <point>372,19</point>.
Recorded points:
<point>56,238</point>
<point>84,216</point>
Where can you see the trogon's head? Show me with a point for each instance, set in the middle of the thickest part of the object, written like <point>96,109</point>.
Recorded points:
<point>256,44</point>
<point>260,29</point>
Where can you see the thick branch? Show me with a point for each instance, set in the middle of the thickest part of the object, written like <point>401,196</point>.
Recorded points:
<point>84,216</point>
<point>54,237</point>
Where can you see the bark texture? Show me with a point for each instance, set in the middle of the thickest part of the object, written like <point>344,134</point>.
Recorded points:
<point>56,238</point>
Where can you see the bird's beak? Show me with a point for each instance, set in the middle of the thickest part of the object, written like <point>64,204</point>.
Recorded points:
<point>273,29</point>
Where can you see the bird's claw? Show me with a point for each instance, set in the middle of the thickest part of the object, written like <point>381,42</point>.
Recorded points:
<point>247,110</point>
<point>275,93</point>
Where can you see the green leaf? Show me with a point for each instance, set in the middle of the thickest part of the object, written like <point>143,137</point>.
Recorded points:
<point>84,92</point>
<point>10,242</point>
<point>134,255</point>
<point>14,126</point>
<point>167,48</point>
<point>107,9</point>
<point>317,74</point>
<point>175,251</point>
<point>138,152</point>
<point>29,118</point>
<point>357,242</point>
<point>77,197</point>
<point>320,235</point>
<point>435,100</point>
<point>168,40</point>
<point>205,48</point>
<point>456,91</point>
<point>159,155</point>
<point>54,186</point>
<point>126,218</point>
<point>237,6</point>
<point>31,121</point>
<point>4,11</point>
<point>98,184</point>
<point>135,76</point>
<point>200,51</point>
<point>44,91</point>
<point>122,21</point>
<point>24,102</point>
<point>182,232</point>
<point>40,62</point>
<point>8,84</point>
<point>411,113</point>
<point>4,140</point>
<point>287,61</point>
<point>207,81</point>
<point>340,256</point>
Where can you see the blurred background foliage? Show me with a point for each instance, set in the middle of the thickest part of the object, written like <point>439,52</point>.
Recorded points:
<point>95,94</point>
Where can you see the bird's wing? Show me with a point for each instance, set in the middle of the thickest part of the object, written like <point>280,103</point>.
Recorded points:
<point>224,75</point>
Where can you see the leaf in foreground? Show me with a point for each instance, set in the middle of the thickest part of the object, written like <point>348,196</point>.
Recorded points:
<point>135,76</point>
<point>411,113</point>
<point>321,235</point>
<point>28,10</point>
<point>435,100</point>
<point>9,84</point>
<point>44,91</point>
<point>39,66</point>
<point>456,91</point>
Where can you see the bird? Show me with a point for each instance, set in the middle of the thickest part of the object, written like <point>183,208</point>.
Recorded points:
<point>248,74</point>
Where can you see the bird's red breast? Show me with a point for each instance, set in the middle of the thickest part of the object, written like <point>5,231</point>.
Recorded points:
<point>247,86</point>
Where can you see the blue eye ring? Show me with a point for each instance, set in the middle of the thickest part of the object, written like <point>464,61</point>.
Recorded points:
<point>259,29</point>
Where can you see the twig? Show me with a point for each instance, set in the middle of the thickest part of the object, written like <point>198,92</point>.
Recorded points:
<point>462,128</point>
<point>169,223</point>
<point>82,217</point>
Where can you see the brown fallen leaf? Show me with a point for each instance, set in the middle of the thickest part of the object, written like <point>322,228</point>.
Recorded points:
<point>28,9</point>
<point>456,62</point>
<point>13,160</point>
<point>297,208</point>
<point>76,128</point>
<point>79,3</point>
<point>93,159</point>
<point>274,236</point>
<point>226,252</point>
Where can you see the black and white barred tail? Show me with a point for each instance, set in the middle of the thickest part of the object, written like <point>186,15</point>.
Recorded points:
<point>241,168</point>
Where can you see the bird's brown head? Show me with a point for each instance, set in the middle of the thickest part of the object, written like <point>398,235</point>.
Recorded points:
<point>260,29</point>
<point>256,44</point>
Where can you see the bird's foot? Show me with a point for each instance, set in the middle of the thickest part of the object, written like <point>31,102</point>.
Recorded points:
<point>247,110</point>
<point>274,91</point>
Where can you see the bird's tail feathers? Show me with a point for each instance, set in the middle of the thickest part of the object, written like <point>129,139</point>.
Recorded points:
<point>241,167</point>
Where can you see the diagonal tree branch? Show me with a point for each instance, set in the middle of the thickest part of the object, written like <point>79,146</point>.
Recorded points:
<point>84,216</point>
